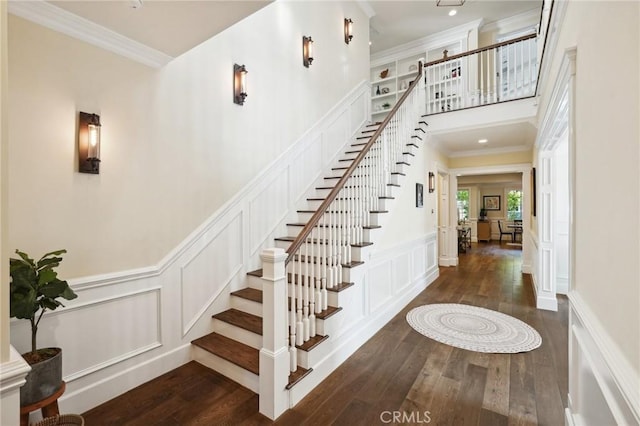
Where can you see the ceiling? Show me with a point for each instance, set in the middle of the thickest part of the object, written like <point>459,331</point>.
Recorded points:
<point>399,21</point>
<point>501,138</point>
<point>171,27</point>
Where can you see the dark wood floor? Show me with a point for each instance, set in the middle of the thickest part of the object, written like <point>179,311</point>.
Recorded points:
<point>398,370</point>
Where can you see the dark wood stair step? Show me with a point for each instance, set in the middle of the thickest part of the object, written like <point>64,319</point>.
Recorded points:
<point>416,137</point>
<point>314,259</point>
<point>335,211</point>
<point>413,144</point>
<point>312,343</point>
<point>329,312</point>
<point>409,153</point>
<point>296,376</point>
<point>322,241</point>
<point>256,273</point>
<point>231,350</point>
<point>327,226</point>
<point>241,319</point>
<point>420,129</point>
<point>249,293</point>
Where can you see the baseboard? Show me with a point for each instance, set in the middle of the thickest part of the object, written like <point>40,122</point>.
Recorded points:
<point>603,386</point>
<point>87,397</point>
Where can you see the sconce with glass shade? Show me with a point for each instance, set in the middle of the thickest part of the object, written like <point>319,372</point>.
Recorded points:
<point>89,128</point>
<point>239,84</point>
<point>348,30</point>
<point>307,51</point>
<point>432,182</point>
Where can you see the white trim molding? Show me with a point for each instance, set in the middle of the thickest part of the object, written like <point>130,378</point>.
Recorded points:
<point>57,19</point>
<point>12,377</point>
<point>603,386</point>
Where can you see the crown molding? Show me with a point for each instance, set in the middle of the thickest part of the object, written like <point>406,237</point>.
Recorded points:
<point>57,19</point>
<point>521,20</point>
<point>431,41</point>
<point>489,151</point>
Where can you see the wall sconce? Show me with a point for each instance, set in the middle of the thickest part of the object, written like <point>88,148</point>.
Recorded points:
<point>307,51</point>
<point>348,30</point>
<point>432,182</point>
<point>239,84</point>
<point>89,143</point>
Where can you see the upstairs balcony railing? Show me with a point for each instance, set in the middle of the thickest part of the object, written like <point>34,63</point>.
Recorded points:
<point>501,72</point>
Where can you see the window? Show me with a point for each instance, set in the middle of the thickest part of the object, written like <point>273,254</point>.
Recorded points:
<point>462,202</point>
<point>514,204</point>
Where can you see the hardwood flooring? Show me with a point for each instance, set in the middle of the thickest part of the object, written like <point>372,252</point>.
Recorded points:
<point>398,372</point>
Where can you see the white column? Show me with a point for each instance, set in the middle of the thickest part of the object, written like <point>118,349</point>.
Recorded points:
<point>274,355</point>
<point>12,374</point>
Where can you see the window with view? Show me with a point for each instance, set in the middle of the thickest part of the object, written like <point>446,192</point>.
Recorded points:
<point>463,204</point>
<point>514,204</point>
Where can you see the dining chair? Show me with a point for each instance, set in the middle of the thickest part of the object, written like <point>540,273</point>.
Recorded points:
<point>505,232</point>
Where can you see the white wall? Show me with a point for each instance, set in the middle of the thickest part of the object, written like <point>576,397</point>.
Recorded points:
<point>128,326</point>
<point>406,222</point>
<point>4,248</point>
<point>175,147</point>
<point>607,191</point>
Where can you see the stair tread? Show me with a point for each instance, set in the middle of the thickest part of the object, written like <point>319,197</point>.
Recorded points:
<point>312,343</point>
<point>231,350</point>
<point>325,226</point>
<point>334,211</point>
<point>241,319</point>
<point>351,264</point>
<point>409,153</point>
<point>413,144</point>
<point>321,241</point>
<point>297,375</point>
<point>256,273</point>
<point>249,293</point>
<point>330,311</point>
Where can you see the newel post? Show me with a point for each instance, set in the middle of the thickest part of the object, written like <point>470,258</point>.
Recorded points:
<point>274,355</point>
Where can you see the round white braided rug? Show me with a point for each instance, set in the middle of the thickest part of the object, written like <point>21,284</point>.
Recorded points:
<point>473,328</point>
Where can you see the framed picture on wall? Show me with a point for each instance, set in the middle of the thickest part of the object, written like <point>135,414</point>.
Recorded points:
<point>491,202</point>
<point>419,195</point>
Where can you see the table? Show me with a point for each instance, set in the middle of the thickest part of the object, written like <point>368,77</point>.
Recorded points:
<point>464,238</point>
<point>48,405</point>
<point>517,229</point>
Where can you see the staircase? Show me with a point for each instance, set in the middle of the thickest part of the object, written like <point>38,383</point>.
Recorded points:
<point>325,245</point>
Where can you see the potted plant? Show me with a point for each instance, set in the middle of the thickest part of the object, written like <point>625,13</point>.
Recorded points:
<point>386,105</point>
<point>34,289</point>
<point>483,214</point>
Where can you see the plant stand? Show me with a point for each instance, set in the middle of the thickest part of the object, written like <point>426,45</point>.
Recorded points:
<point>48,405</point>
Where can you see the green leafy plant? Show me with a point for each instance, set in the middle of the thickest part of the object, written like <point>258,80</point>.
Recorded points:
<point>386,105</point>
<point>34,288</point>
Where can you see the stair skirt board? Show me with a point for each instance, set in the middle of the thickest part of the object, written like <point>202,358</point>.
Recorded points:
<point>228,369</point>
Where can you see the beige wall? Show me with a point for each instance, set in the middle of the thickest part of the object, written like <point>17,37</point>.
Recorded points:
<point>4,252</point>
<point>607,189</point>
<point>520,157</point>
<point>175,147</point>
<point>406,221</point>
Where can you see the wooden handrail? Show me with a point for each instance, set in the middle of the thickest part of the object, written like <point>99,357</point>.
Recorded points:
<point>295,245</point>
<point>482,49</point>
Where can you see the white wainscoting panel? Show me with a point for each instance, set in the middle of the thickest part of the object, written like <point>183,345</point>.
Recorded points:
<point>383,285</point>
<point>208,272</point>
<point>128,327</point>
<point>603,387</point>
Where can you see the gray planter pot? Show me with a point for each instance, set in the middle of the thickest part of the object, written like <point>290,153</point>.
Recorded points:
<point>43,380</point>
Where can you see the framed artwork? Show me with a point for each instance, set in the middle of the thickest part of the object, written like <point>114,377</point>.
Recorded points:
<point>419,195</point>
<point>491,202</point>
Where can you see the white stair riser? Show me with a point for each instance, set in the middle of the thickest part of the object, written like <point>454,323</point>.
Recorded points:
<point>328,327</point>
<point>293,231</point>
<point>336,298</point>
<point>305,217</point>
<point>319,250</point>
<point>237,333</point>
<point>315,204</point>
<point>254,282</point>
<point>314,356</point>
<point>245,305</point>
<point>226,368</point>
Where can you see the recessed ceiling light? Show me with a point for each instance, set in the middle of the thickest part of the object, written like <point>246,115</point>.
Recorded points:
<point>452,12</point>
<point>483,140</point>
